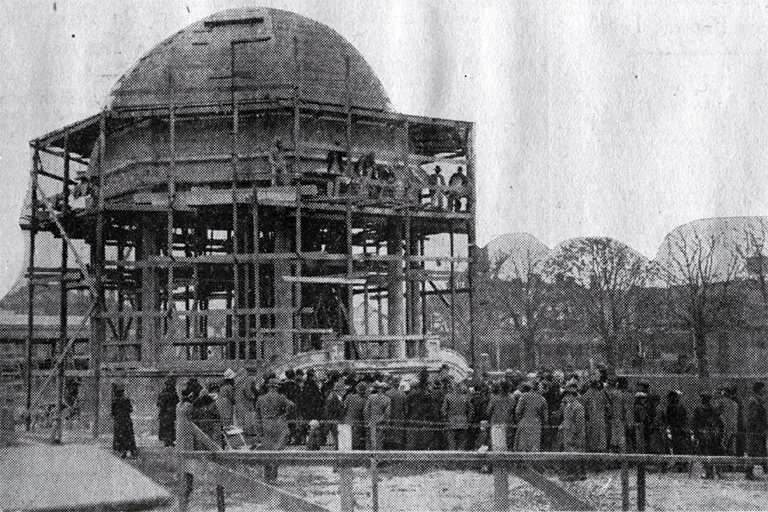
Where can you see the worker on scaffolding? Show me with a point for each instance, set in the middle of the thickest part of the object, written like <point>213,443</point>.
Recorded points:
<point>337,169</point>
<point>458,190</point>
<point>436,182</point>
<point>279,164</point>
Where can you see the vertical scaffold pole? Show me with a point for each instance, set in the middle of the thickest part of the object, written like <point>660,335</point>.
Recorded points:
<point>348,216</point>
<point>61,375</point>
<point>31,287</point>
<point>452,284</point>
<point>171,180</point>
<point>99,332</point>
<point>471,237</point>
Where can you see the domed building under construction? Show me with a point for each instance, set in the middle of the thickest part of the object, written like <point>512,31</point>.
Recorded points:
<point>249,199</point>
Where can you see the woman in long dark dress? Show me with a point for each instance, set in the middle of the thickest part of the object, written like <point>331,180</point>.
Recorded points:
<point>167,402</point>
<point>123,440</point>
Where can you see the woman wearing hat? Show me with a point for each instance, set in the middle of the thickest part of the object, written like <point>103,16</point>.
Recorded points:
<point>123,440</point>
<point>167,402</point>
<point>531,414</point>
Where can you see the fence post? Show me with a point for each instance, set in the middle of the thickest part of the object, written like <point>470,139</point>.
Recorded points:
<point>220,503</point>
<point>641,487</point>
<point>374,484</point>
<point>346,490</point>
<point>187,484</point>
<point>624,485</point>
<point>500,486</point>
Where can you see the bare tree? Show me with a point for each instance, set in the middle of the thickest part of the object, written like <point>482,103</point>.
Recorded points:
<point>700,271</point>
<point>752,248</point>
<point>514,299</point>
<point>610,275</point>
<point>523,300</point>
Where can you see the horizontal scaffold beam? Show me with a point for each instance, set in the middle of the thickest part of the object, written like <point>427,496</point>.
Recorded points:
<point>204,313</point>
<point>264,257</point>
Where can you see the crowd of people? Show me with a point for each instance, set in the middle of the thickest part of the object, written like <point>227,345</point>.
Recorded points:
<point>547,411</point>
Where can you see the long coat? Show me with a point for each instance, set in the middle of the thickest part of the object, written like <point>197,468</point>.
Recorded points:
<point>397,417</point>
<point>572,431</point>
<point>334,407</point>
<point>456,410</point>
<point>420,413</point>
<point>272,410</point>
<point>596,409</point>
<point>376,409</point>
<point>310,400</point>
<point>354,406</point>
<point>501,410</point>
<point>531,413</point>
<point>729,414</point>
<point>167,402</point>
<point>185,433</point>
<point>707,428</point>
<point>123,440</point>
<point>225,403</point>
<point>619,414</point>
<point>757,426</point>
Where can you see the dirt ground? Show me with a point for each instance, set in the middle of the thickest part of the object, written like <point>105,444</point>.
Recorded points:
<point>675,491</point>
<point>404,488</point>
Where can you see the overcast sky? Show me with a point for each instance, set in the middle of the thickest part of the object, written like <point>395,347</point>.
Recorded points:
<point>595,117</point>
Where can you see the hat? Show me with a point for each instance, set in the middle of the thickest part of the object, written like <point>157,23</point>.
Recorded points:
<point>229,374</point>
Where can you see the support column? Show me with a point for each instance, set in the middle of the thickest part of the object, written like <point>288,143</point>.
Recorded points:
<point>395,287</point>
<point>98,323</point>
<point>62,342</point>
<point>283,290</point>
<point>166,349</point>
<point>471,238</point>
<point>149,295</point>
<point>31,286</point>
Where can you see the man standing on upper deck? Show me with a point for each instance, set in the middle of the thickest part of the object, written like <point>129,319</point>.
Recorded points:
<point>458,184</point>
<point>436,180</point>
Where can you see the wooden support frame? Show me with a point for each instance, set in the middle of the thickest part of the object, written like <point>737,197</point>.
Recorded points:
<point>31,287</point>
<point>98,325</point>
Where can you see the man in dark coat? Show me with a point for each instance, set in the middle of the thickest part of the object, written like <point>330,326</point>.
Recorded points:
<point>311,399</point>
<point>456,411</point>
<point>757,427</point>
<point>419,409</point>
<point>333,410</point>
<point>290,389</point>
<point>677,422</point>
<point>644,415</point>
<point>707,430</point>
<point>123,439</point>
<point>167,402</point>
<point>376,413</point>
<point>272,412</point>
<point>354,407</point>
<point>395,437</point>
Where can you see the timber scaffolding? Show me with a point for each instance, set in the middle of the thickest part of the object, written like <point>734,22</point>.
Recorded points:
<point>243,231</point>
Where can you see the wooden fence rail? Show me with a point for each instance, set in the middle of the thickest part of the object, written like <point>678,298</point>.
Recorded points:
<point>503,463</point>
